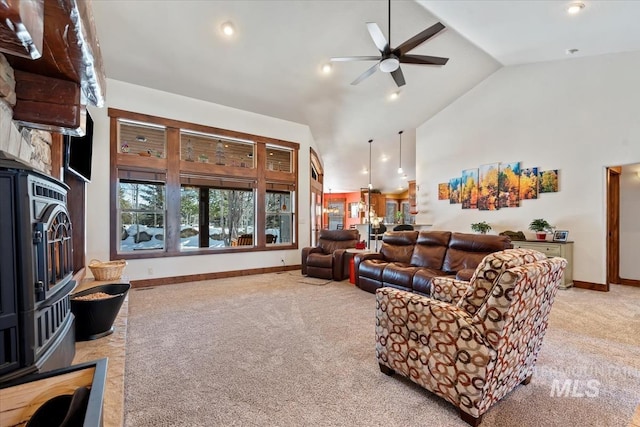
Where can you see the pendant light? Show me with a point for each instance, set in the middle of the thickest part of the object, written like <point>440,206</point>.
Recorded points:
<point>370,186</point>
<point>400,171</point>
<point>329,210</point>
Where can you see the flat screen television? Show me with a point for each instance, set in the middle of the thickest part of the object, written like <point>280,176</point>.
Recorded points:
<point>78,152</point>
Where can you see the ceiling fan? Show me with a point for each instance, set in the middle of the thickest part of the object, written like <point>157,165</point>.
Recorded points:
<point>390,59</point>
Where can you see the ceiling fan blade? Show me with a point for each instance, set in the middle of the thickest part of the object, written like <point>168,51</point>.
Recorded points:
<point>418,39</point>
<point>378,38</point>
<point>423,60</point>
<point>355,58</point>
<point>398,77</point>
<point>366,74</point>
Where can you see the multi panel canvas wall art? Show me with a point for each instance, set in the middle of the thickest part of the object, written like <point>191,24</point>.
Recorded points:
<point>529,184</point>
<point>455,185</point>
<point>498,185</point>
<point>469,195</point>
<point>548,181</point>
<point>443,191</point>
<point>488,187</point>
<point>509,185</point>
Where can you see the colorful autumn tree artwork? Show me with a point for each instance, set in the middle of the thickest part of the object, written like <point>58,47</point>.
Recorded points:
<point>548,181</point>
<point>469,194</point>
<point>529,184</point>
<point>443,191</point>
<point>509,185</point>
<point>488,188</point>
<point>455,188</point>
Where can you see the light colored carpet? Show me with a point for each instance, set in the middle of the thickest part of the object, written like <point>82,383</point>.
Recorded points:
<point>268,350</point>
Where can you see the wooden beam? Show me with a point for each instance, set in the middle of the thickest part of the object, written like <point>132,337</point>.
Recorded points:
<point>71,49</point>
<point>22,28</point>
<point>48,103</point>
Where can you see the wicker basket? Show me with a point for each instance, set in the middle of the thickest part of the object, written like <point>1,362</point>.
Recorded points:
<point>108,270</point>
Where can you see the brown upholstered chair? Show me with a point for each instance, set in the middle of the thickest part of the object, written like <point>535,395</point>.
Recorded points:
<point>327,260</point>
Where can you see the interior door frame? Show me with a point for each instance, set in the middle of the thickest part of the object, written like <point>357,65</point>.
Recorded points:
<point>613,229</point>
<point>613,225</point>
<point>316,188</point>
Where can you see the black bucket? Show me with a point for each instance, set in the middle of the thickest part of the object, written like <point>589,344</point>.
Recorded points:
<point>94,318</point>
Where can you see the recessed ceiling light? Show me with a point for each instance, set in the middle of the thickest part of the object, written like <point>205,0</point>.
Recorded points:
<point>574,8</point>
<point>571,51</point>
<point>394,95</point>
<point>326,68</point>
<point>228,29</point>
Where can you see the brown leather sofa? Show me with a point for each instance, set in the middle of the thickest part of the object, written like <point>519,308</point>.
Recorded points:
<point>327,260</point>
<point>408,260</point>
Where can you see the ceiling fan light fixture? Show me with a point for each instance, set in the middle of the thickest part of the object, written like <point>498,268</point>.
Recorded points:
<point>575,7</point>
<point>389,64</point>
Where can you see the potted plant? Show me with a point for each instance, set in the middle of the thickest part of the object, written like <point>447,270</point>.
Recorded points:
<point>541,227</point>
<point>480,227</point>
<point>399,217</point>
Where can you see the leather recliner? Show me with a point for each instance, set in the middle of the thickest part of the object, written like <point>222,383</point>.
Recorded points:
<point>327,260</point>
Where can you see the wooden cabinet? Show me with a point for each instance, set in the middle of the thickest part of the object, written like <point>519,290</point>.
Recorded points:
<point>552,249</point>
<point>413,202</point>
<point>378,202</point>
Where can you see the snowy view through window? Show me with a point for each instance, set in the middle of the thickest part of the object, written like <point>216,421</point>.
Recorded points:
<point>228,214</point>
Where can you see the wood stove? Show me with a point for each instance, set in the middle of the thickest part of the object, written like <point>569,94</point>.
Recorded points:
<point>36,270</point>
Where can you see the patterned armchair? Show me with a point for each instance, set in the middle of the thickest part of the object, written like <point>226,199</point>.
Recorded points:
<point>480,339</point>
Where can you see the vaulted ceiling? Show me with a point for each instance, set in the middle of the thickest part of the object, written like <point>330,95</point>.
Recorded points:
<point>272,64</point>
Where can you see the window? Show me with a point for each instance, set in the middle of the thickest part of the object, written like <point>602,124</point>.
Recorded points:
<point>222,151</point>
<point>182,188</point>
<point>224,214</point>
<point>278,159</point>
<point>142,216</point>
<point>142,139</point>
<point>279,220</point>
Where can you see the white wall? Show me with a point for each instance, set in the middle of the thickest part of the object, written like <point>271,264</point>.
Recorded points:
<point>629,222</point>
<point>578,116</point>
<point>139,99</point>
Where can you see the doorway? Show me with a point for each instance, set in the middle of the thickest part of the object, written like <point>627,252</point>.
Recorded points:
<point>622,185</point>
<point>316,190</point>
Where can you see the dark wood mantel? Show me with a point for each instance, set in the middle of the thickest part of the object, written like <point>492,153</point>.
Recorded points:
<point>53,90</point>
